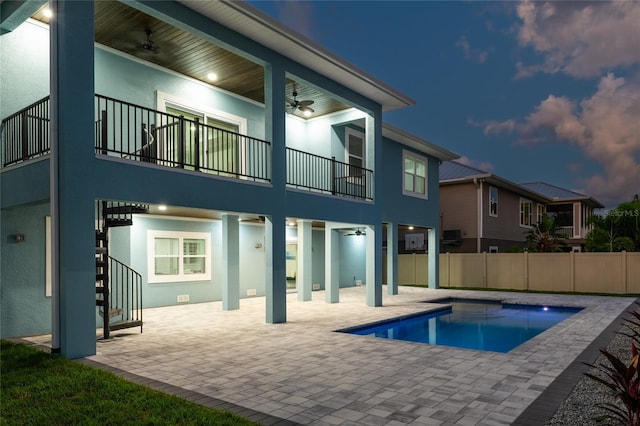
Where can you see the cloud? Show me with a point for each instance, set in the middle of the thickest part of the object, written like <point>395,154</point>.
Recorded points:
<point>605,127</point>
<point>475,55</point>
<point>480,165</point>
<point>581,39</point>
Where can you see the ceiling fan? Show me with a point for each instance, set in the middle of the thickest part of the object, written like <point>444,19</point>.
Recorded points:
<point>294,104</point>
<point>148,44</point>
<point>357,232</point>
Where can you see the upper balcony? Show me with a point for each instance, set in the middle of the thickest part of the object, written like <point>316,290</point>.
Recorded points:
<point>135,133</point>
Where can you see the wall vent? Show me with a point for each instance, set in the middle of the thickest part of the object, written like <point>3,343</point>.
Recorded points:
<point>183,298</point>
<point>316,286</point>
<point>251,292</point>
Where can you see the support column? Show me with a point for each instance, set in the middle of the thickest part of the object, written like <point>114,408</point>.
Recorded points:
<point>373,265</point>
<point>433,259</point>
<point>332,264</point>
<point>72,181</point>
<point>275,227</point>
<point>392,258</point>
<point>230,262</point>
<point>303,276</point>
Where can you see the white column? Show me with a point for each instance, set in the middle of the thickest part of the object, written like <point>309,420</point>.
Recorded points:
<point>392,258</point>
<point>374,267</point>
<point>230,262</point>
<point>433,267</point>
<point>332,264</point>
<point>304,260</point>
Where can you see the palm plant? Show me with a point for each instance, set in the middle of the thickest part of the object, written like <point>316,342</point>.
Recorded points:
<point>545,236</point>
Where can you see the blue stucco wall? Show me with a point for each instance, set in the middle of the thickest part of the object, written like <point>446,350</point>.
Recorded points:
<point>24,308</point>
<point>25,57</point>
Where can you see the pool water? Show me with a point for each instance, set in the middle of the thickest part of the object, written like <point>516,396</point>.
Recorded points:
<point>471,324</point>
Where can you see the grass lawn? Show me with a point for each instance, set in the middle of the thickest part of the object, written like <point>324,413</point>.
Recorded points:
<point>38,388</point>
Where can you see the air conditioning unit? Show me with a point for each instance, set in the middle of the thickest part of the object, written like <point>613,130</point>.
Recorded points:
<point>452,237</point>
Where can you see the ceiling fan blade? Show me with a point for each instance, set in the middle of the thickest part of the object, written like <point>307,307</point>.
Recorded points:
<point>305,103</point>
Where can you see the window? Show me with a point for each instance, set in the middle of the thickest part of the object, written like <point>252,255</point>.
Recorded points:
<point>493,249</point>
<point>540,213</point>
<point>178,256</point>
<point>354,143</point>
<point>526,212</point>
<point>415,175</point>
<point>493,201</point>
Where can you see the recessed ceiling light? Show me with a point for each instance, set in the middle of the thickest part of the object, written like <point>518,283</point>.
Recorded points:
<point>162,207</point>
<point>307,113</point>
<point>47,13</point>
<point>411,228</point>
<point>212,76</point>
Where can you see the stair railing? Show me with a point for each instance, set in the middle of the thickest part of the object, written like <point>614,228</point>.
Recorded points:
<point>125,294</point>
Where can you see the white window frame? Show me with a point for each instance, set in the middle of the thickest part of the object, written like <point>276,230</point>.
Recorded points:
<point>491,189</point>
<point>524,201</point>
<point>540,212</point>
<point>165,100</point>
<point>348,131</point>
<point>181,276</point>
<point>416,158</point>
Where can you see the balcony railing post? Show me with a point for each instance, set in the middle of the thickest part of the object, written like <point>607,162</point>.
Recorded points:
<point>103,131</point>
<point>181,139</point>
<point>25,135</point>
<point>333,175</point>
<point>196,143</point>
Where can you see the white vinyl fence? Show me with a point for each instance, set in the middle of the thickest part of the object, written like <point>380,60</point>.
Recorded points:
<point>568,272</point>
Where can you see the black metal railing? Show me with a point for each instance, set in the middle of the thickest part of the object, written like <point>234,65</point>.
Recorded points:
<point>327,175</point>
<point>138,133</point>
<point>25,134</point>
<point>134,132</point>
<point>125,294</point>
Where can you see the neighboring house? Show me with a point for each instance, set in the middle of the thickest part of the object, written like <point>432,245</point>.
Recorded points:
<point>170,150</point>
<point>570,209</point>
<point>483,212</point>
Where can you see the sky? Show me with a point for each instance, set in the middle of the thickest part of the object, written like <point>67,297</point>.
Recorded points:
<point>533,91</point>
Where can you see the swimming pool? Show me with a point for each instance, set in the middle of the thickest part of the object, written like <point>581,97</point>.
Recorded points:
<point>472,324</point>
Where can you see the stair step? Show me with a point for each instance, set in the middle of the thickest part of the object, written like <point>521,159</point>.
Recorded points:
<point>127,209</point>
<point>99,302</point>
<point>99,289</point>
<point>125,324</point>
<point>101,236</point>
<point>100,263</point>
<point>115,312</point>
<point>101,250</point>
<point>101,277</point>
<point>111,223</point>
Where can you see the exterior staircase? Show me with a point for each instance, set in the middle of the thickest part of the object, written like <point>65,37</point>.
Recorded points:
<point>118,287</point>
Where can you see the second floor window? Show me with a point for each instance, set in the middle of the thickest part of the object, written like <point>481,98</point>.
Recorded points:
<point>415,175</point>
<point>493,201</point>
<point>526,212</point>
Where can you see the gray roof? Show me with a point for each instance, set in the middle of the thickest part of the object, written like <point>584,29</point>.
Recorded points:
<point>556,193</point>
<point>454,170</point>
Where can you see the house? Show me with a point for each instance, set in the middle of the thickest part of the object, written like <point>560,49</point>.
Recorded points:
<point>156,153</point>
<point>570,210</point>
<point>483,212</point>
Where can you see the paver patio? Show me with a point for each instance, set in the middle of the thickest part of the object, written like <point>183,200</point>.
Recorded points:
<point>306,373</point>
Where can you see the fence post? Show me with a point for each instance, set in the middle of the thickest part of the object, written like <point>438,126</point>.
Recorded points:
<point>527,284</point>
<point>484,269</point>
<point>624,271</point>
<point>573,271</point>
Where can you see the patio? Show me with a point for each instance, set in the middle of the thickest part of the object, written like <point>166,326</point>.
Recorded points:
<point>303,372</point>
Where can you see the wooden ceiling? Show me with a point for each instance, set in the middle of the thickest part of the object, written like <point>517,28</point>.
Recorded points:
<point>123,28</point>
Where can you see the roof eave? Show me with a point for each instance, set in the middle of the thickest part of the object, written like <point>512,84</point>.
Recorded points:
<point>253,23</point>
<point>394,133</point>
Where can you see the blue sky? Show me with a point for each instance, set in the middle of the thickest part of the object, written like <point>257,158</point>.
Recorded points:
<point>529,91</point>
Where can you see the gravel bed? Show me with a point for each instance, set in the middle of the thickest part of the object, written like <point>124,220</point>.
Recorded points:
<point>582,405</point>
